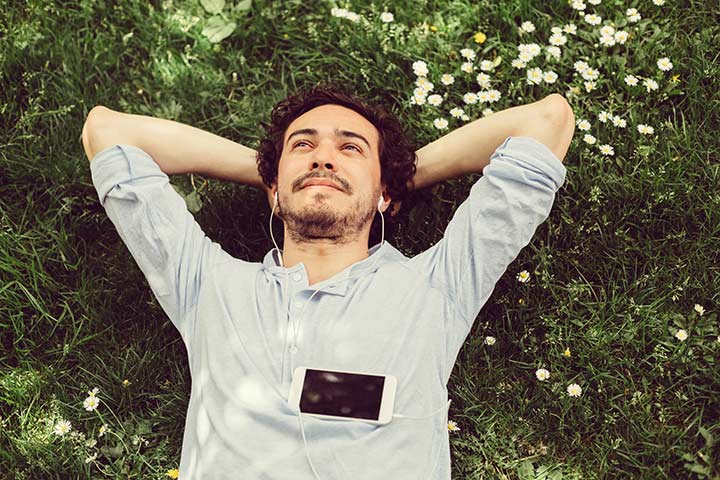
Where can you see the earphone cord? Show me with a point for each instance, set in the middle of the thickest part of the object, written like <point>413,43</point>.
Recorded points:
<point>296,331</point>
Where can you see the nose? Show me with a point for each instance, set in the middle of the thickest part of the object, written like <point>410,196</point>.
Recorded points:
<point>324,156</point>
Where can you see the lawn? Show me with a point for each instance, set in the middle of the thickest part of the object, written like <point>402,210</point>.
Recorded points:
<point>597,355</point>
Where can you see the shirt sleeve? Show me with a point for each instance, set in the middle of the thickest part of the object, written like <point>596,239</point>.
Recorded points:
<point>497,220</point>
<point>153,221</point>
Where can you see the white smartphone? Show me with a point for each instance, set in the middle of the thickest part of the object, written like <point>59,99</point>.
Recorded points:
<point>343,395</point>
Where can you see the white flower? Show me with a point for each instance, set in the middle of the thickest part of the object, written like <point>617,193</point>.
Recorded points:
<point>440,123</point>
<point>470,98</point>
<point>527,26</point>
<point>631,80</point>
<point>580,66</point>
<point>419,97</point>
<point>664,64</point>
<point>353,17</point>
<point>681,335</point>
<point>452,426</point>
<point>589,139</point>
<point>447,79</point>
<point>650,84</point>
<point>645,129</point>
<point>594,2</point>
<point>550,76</point>
<point>592,19</point>
<point>467,53</point>
<point>523,276</point>
<point>91,403</point>
<point>603,116</point>
<point>435,100</point>
<point>570,28</point>
<point>607,30</point>
<point>517,63</point>
<point>489,340</point>
<point>534,75</point>
<point>487,112</point>
<point>554,51</point>
<point>619,122</point>
<point>590,74</point>
<point>607,41</point>
<point>583,125</point>
<point>102,430</point>
<point>633,15</point>
<point>425,84</point>
<point>542,374</point>
<point>607,149</point>
<point>493,95</point>
<point>467,67</point>
<point>93,392</point>
<point>699,308</point>
<point>420,68</point>
<point>574,390</point>
<point>457,112</point>
<point>557,39</point>
<point>578,5</point>
<point>387,17</point>
<point>487,65</point>
<point>659,2</point>
<point>62,427</point>
<point>483,79</point>
<point>621,37</point>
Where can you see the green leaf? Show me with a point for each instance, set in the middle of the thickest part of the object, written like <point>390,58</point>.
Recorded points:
<point>217,29</point>
<point>244,5</point>
<point>213,6</point>
<point>707,436</point>
<point>193,201</point>
<point>526,471</point>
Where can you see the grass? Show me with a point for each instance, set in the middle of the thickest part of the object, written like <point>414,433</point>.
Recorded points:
<point>630,248</point>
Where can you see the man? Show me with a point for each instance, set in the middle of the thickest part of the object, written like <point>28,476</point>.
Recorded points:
<point>325,299</point>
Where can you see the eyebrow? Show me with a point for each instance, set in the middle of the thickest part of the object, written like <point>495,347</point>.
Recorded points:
<point>338,133</point>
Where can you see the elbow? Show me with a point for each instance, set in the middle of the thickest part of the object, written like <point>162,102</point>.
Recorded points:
<point>90,121</point>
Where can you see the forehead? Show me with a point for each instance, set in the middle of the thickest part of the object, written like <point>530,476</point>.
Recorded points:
<point>327,118</point>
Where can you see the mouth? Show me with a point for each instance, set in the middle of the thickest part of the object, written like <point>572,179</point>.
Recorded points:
<point>317,183</point>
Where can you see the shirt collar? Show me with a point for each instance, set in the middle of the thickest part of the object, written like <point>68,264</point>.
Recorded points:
<point>338,284</point>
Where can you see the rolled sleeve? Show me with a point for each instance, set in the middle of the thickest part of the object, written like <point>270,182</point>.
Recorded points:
<point>153,221</point>
<point>497,220</point>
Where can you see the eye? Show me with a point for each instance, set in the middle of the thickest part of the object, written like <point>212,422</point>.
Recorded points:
<point>298,143</point>
<point>356,148</point>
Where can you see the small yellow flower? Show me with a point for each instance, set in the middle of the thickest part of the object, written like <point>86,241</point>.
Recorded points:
<point>521,301</point>
<point>675,78</point>
<point>125,382</point>
<point>566,352</point>
<point>433,28</point>
<point>480,37</point>
<point>174,473</point>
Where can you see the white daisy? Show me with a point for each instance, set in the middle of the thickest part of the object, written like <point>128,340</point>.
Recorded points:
<point>440,123</point>
<point>574,390</point>
<point>534,75</point>
<point>664,64</point>
<point>631,80</point>
<point>607,149</point>
<point>434,100</point>
<point>470,98</point>
<point>447,79</point>
<point>467,53</point>
<point>420,68</point>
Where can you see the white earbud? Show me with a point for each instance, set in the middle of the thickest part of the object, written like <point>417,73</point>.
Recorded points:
<point>380,202</point>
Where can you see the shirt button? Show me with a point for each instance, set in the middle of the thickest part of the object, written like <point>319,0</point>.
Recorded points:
<point>293,349</point>
<point>298,304</point>
<point>297,277</point>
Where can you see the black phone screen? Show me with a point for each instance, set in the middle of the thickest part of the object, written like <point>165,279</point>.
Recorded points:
<point>342,394</point>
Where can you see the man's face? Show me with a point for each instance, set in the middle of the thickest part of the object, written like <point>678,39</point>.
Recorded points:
<point>332,154</point>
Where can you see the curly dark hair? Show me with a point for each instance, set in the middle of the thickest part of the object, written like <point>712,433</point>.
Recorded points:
<point>397,152</point>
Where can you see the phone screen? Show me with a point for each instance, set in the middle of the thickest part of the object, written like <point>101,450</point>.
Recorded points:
<point>342,394</point>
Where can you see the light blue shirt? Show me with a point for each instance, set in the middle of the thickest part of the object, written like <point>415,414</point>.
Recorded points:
<point>386,314</point>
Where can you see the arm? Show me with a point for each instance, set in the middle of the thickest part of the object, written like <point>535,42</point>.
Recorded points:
<point>467,149</point>
<point>176,147</point>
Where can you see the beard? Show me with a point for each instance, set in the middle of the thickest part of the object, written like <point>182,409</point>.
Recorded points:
<point>320,217</point>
